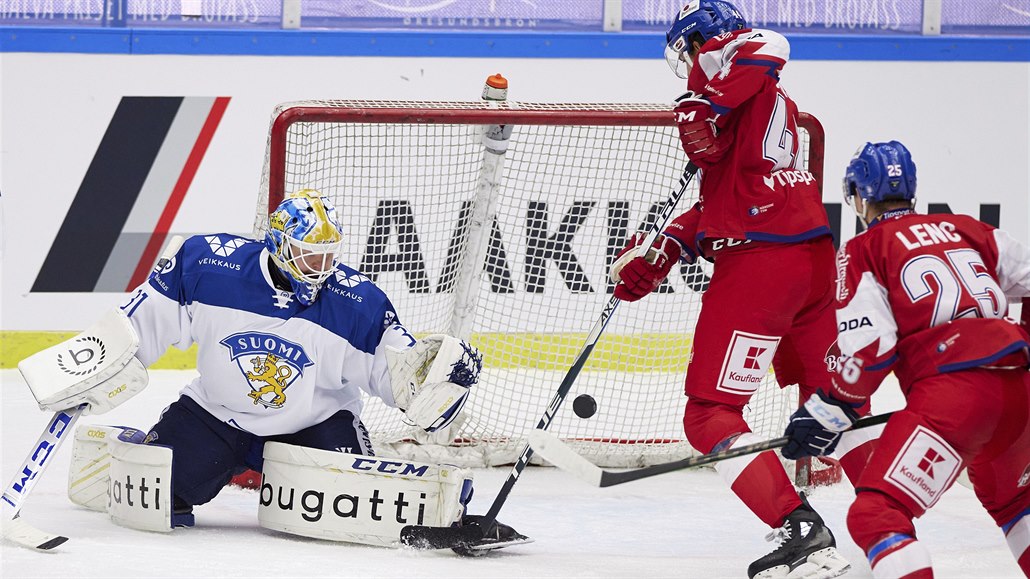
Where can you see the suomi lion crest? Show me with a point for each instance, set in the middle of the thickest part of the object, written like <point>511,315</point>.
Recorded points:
<point>269,363</point>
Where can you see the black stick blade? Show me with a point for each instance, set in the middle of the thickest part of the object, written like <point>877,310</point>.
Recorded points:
<point>47,545</point>
<point>422,537</point>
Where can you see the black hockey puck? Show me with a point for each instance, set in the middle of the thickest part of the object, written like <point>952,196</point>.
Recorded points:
<point>584,406</point>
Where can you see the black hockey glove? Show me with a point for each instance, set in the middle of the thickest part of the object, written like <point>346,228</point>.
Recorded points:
<point>815,429</point>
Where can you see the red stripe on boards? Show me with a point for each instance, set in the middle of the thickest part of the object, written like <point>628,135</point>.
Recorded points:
<point>189,171</point>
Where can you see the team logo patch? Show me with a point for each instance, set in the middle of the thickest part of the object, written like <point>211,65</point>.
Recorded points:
<point>689,8</point>
<point>167,267</point>
<point>269,363</point>
<point>224,248</point>
<point>925,467</point>
<point>747,361</point>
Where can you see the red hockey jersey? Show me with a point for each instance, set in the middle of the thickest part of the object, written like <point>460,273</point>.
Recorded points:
<point>927,294</point>
<point>758,189</point>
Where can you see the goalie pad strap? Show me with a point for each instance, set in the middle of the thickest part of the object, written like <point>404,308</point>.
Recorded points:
<point>356,498</point>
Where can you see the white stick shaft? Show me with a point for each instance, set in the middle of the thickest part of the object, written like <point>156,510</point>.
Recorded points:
<point>59,428</point>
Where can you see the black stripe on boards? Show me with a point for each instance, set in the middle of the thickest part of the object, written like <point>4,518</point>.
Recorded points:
<point>108,191</point>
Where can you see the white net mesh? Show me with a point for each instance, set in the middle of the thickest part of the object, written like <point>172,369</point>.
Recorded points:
<point>511,252</point>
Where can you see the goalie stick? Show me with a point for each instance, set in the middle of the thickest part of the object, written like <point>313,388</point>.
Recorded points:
<point>465,539</point>
<point>556,452</point>
<point>12,526</point>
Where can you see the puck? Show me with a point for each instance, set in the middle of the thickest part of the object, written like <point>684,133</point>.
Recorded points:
<point>584,406</point>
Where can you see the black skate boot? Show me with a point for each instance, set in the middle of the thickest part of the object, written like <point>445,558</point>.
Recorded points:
<point>497,536</point>
<point>807,549</point>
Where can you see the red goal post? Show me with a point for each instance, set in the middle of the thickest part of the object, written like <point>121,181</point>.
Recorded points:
<point>508,244</point>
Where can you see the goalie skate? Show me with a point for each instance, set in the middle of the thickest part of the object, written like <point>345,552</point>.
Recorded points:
<point>497,536</point>
<point>807,549</point>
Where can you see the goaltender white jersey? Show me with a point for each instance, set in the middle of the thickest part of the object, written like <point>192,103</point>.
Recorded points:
<point>268,365</point>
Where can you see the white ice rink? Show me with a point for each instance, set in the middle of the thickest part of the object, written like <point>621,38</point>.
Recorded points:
<point>677,525</point>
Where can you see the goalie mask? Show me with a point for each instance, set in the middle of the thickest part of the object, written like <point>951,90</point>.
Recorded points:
<point>305,240</point>
<point>698,21</point>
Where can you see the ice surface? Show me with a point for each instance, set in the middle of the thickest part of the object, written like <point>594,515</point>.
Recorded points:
<point>683,524</point>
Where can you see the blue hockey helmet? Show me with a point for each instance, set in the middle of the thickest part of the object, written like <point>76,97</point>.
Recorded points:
<point>699,21</point>
<point>305,240</point>
<point>881,172</point>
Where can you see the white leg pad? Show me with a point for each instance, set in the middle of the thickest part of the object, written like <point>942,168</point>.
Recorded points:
<point>355,498</point>
<point>90,472</point>
<point>141,485</point>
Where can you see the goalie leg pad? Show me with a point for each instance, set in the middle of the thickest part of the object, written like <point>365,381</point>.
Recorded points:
<point>141,484</point>
<point>89,476</point>
<point>97,367</point>
<point>356,498</point>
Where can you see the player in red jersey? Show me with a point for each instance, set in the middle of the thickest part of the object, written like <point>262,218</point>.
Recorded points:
<point>760,219</point>
<point>925,296</point>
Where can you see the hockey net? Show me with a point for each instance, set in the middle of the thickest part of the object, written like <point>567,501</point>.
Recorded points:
<point>511,251</point>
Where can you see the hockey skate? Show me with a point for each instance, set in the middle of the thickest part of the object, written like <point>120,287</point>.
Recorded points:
<point>807,549</point>
<point>497,536</point>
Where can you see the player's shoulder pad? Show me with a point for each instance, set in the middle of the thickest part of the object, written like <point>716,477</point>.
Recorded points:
<point>218,252</point>
<point>349,283</point>
<point>772,43</point>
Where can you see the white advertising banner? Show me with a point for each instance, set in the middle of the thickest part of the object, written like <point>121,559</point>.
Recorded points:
<point>101,151</point>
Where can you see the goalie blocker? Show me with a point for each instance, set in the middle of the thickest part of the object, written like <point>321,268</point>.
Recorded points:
<point>98,368</point>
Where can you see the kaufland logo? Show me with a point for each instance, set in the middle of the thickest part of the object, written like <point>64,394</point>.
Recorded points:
<point>746,362</point>
<point>925,467</point>
<point>751,358</point>
<point>929,459</point>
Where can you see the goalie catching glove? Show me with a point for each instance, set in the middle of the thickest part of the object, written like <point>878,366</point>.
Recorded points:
<point>815,429</point>
<point>431,380</point>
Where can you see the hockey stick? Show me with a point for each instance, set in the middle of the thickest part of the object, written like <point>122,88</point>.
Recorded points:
<point>556,452</point>
<point>464,537</point>
<point>14,528</point>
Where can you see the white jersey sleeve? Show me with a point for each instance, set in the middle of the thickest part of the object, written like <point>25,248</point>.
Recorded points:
<point>867,319</point>
<point>160,320</point>
<point>1013,265</point>
<point>380,384</point>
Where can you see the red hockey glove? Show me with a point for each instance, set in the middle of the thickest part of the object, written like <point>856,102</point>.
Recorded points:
<point>640,276</point>
<point>696,123</point>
